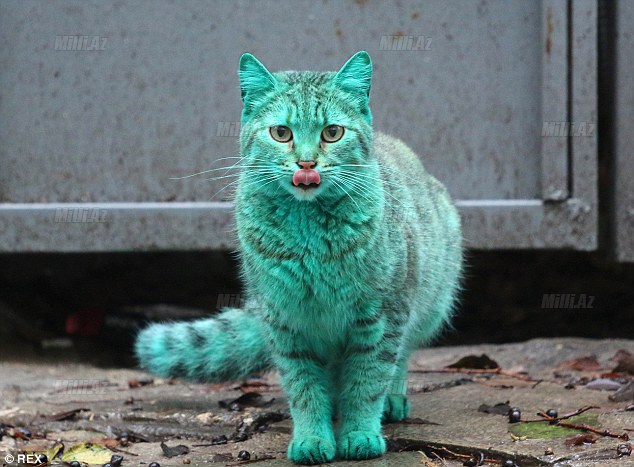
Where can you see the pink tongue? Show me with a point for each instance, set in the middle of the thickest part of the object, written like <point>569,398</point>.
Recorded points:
<point>306,177</point>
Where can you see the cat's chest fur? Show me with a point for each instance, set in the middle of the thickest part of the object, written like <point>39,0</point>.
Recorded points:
<point>310,265</point>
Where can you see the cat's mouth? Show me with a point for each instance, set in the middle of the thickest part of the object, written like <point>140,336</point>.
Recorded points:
<point>306,187</point>
<point>306,179</point>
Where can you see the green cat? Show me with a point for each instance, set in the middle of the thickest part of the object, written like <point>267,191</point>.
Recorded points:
<point>351,256</point>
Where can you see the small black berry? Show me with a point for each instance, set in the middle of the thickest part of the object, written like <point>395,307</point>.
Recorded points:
<point>25,431</point>
<point>515,415</point>
<point>75,464</point>
<point>509,463</point>
<point>235,407</point>
<point>116,460</point>
<point>244,455</point>
<point>43,459</point>
<point>624,450</point>
<point>154,464</point>
<point>552,413</point>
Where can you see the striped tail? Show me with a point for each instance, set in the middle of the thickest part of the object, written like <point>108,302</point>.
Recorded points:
<point>228,347</point>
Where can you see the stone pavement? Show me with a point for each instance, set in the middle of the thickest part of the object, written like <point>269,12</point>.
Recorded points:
<point>445,421</point>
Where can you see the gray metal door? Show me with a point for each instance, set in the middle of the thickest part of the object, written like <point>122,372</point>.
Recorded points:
<point>623,118</point>
<point>101,103</point>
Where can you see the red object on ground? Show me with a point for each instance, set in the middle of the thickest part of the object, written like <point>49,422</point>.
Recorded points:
<point>85,322</point>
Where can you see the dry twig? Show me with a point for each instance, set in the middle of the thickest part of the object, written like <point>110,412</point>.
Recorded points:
<point>577,426</point>
<point>475,371</point>
<point>546,417</point>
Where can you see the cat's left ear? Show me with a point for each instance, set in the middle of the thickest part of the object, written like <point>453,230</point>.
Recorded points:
<point>356,75</point>
<point>255,80</point>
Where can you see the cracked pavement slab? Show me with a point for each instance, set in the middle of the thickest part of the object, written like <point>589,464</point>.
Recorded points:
<point>444,422</point>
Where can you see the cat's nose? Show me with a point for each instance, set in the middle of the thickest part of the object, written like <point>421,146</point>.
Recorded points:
<point>306,164</point>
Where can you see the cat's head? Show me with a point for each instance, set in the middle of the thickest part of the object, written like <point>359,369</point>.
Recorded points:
<point>305,133</point>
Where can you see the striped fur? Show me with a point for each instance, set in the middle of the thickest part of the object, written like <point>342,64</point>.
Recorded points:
<point>344,281</point>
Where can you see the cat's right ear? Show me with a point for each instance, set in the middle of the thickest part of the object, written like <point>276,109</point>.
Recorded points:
<point>255,80</point>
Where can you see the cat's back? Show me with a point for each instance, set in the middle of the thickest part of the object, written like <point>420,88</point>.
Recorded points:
<point>409,183</point>
<point>394,153</point>
<point>423,226</point>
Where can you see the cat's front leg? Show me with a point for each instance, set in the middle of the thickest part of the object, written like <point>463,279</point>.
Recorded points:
<point>368,364</point>
<point>307,383</point>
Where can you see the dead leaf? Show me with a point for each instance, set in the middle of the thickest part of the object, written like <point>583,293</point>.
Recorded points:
<point>37,446</point>
<point>264,419</point>
<point>585,363</point>
<point>604,384</point>
<point>505,383</point>
<point>219,387</point>
<point>581,439</point>
<point>611,375</point>
<point>620,355</point>
<point>417,421</point>
<point>139,382</point>
<point>107,442</point>
<point>255,386</point>
<point>249,399</point>
<point>426,461</point>
<point>626,393</point>
<point>19,433</point>
<point>501,408</point>
<point>222,439</point>
<point>483,362</point>
<point>87,453</point>
<point>43,448</point>
<point>68,415</point>
<point>625,365</point>
<point>54,451</point>
<point>206,418</point>
<point>174,451</point>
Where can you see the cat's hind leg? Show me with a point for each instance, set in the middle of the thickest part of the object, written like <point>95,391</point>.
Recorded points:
<point>396,406</point>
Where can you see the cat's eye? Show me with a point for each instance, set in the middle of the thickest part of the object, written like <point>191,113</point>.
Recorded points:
<point>332,133</point>
<point>281,134</point>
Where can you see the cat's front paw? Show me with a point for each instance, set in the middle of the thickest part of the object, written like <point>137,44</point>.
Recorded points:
<point>395,408</point>
<point>361,445</point>
<point>311,450</point>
